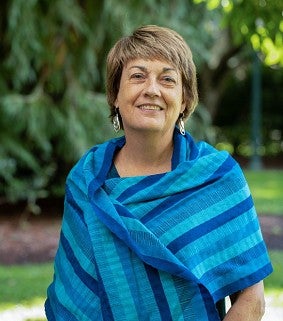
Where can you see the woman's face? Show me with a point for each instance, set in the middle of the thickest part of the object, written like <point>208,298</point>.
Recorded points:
<point>150,96</point>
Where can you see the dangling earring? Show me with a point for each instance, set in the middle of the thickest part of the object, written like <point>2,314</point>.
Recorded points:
<point>181,124</point>
<point>116,121</point>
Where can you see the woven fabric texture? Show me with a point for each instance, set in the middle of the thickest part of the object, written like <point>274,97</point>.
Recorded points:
<point>158,247</point>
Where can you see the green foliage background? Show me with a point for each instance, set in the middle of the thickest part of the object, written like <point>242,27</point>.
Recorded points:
<point>52,102</point>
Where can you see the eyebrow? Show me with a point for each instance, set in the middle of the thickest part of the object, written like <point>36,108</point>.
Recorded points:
<point>165,69</point>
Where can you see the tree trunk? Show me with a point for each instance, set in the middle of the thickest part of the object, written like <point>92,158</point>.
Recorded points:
<point>214,74</point>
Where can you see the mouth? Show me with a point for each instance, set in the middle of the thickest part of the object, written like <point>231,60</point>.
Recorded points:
<point>150,107</point>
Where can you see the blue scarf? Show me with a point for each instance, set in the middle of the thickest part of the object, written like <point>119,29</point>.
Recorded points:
<point>158,247</point>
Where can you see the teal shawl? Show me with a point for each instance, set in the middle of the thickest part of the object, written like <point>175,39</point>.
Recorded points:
<point>158,247</point>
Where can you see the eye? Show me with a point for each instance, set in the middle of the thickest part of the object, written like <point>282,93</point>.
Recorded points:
<point>169,80</point>
<point>137,76</point>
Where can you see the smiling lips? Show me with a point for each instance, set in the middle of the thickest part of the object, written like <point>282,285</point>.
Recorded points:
<point>150,107</point>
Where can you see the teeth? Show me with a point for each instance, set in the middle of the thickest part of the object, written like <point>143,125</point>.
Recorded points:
<point>149,107</point>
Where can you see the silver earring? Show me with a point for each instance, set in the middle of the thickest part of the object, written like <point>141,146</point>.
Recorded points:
<point>181,125</point>
<point>116,121</point>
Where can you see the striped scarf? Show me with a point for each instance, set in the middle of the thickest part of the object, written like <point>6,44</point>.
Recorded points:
<point>158,247</point>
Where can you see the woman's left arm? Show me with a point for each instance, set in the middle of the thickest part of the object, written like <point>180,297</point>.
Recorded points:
<point>247,305</point>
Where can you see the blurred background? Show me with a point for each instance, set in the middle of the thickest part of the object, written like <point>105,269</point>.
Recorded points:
<point>53,106</point>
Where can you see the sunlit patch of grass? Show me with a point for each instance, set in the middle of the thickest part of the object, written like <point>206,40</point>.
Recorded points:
<point>24,284</point>
<point>275,297</point>
<point>274,282</point>
<point>27,303</point>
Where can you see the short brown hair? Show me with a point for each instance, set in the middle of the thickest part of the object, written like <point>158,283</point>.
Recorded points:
<point>149,42</point>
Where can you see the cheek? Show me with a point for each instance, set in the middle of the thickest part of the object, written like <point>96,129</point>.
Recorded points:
<point>128,96</point>
<point>177,100</point>
<point>120,97</point>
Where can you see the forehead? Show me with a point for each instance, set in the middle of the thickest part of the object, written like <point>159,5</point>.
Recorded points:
<point>150,64</point>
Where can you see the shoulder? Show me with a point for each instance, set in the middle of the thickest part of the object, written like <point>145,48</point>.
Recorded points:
<point>93,159</point>
<point>202,149</point>
<point>221,162</point>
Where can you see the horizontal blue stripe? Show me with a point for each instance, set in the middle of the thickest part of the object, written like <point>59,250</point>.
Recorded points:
<point>243,283</point>
<point>225,167</point>
<point>245,263</point>
<point>172,201</point>
<point>167,203</point>
<point>208,226</point>
<point>136,188</point>
<point>176,221</point>
<point>200,252</point>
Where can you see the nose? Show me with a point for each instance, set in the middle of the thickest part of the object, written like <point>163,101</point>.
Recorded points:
<point>152,88</point>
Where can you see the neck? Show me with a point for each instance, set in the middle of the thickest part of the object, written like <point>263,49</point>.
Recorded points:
<point>145,154</point>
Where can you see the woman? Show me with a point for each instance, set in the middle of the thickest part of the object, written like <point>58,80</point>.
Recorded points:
<point>156,226</point>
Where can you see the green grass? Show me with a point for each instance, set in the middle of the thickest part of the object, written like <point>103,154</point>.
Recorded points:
<point>267,190</point>
<point>24,284</point>
<point>274,282</point>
